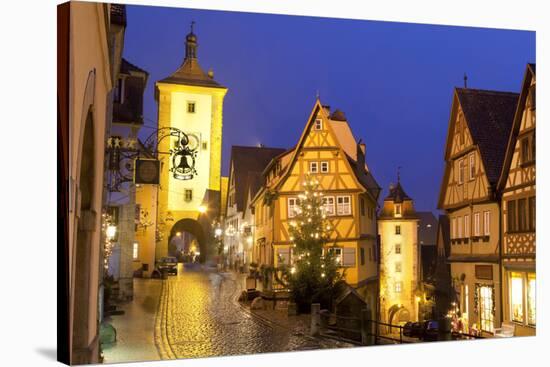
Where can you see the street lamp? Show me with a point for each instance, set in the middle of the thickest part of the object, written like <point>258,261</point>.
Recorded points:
<point>202,209</point>
<point>218,232</point>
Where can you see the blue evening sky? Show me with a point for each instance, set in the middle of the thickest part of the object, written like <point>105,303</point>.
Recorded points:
<point>394,81</point>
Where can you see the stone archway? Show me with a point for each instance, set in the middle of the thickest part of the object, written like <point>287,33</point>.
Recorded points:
<point>193,227</point>
<point>398,314</point>
<point>82,351</point>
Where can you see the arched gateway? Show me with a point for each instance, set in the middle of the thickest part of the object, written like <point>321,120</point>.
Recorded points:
<point>193,227</point>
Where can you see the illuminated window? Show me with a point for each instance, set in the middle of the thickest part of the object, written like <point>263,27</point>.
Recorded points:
<point>343,206</point>
<point>337,253</point>
<point>461,171</point>
<point>476,224</point>
<point>486,308</point>
<point>324,167</point>
<point>188,194</point>
<point>328,203</point>
<point>398,287</point>
<point>318,124</point>
<point>472,166</point>
<point>191,107</point>
<point>397,210</point>
<point>398,248</point>
<point>292,207</point>
<point>397,229</point>
<point>487,223</point>
<point>466,226</point>
<point>313,167</point>
<point>135,251</point>
<point>516,296</point>
<point>398,267</point>
<point>531,299</point>
<point>453,228</point>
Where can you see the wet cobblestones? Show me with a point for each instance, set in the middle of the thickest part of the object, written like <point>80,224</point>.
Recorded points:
<point>199,317</point>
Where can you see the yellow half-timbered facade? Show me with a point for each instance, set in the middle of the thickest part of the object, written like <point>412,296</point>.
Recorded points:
<point>479,128</point>
<point>517,184</point>
<point>327,152</point>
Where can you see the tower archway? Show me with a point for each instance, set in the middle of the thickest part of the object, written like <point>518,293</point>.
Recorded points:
<point>398,314</point>
<point>192,227</point>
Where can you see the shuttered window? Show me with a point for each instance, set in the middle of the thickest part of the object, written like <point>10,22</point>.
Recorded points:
<point>348,258</point>
<point>511,216</point>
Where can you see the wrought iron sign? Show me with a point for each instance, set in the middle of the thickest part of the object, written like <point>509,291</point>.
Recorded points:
<point>123,155</point>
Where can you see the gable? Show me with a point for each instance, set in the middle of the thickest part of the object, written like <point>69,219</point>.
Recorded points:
<point>460,154</point>
<point>524,127</point>
<point>318,145</point>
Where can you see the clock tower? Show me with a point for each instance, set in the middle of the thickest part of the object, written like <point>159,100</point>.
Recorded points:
<point>191,101</point>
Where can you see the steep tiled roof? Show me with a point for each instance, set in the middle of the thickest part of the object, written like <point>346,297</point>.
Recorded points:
<point>126,67</point>
<point>365,177</point>
<point>118,14</point>
<point>191,73</point>
<point>249,159</point>
<point>530,74</point>
<point>397,194</point>
<point>489,115</point>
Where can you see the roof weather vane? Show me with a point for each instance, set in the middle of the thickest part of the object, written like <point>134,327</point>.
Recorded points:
<point>192,25</point>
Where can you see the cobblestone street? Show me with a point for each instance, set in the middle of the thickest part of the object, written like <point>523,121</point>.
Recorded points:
<point>199,317</point>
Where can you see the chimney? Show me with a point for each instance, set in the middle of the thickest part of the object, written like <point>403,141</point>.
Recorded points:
<point>361,152</point>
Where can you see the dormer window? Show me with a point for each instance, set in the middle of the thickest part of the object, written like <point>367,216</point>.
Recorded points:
<point>318,124</point>
<point>397,210</point>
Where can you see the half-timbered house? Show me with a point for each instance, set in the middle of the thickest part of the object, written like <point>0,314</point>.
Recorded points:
<point>517,184</point>
<point>479,127</point>
<point>328,152</point>
<point>245,165</point>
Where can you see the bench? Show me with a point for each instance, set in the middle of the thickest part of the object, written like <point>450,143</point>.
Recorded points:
<point>507,330</point>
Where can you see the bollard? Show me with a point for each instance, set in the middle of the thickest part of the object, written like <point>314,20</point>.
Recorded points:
<point>444,329</point>
<point>367,336</point>
<point>323,318</point>
<point>315,318</point>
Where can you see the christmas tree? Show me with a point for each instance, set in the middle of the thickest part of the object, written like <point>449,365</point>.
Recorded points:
<point>315,270</point>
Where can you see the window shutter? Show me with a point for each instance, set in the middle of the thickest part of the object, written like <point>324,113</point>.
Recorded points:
<point>349,257</point>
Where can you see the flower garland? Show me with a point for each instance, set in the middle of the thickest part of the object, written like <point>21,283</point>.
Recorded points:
<point>476,297</point>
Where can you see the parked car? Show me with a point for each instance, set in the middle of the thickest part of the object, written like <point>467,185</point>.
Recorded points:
<point>413,329</point>
<point>424,330</point>
<point>168,265</point>
<point>430,331</point>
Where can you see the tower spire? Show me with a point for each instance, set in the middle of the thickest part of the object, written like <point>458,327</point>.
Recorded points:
<point>191,44</point>
<point>398,175</point>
